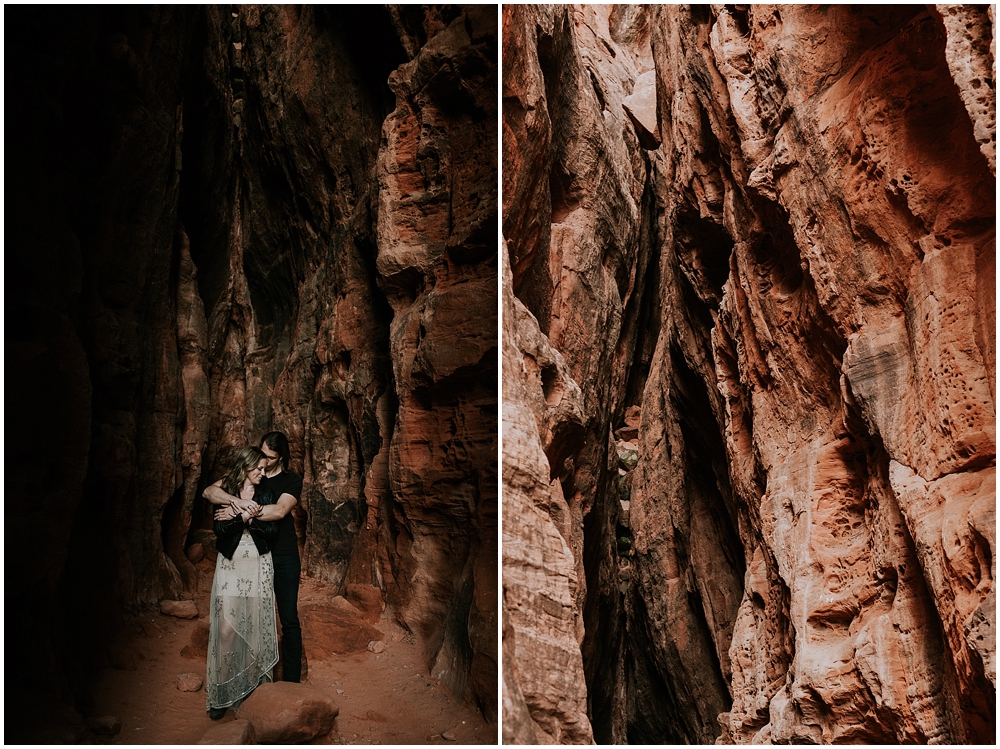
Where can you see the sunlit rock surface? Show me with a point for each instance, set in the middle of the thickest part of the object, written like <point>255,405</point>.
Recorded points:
<point>795,293</point>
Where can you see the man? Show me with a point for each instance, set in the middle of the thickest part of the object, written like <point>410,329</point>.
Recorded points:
<point>287,487</point>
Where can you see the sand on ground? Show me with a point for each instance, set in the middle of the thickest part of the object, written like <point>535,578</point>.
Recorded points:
<point>385,698</point>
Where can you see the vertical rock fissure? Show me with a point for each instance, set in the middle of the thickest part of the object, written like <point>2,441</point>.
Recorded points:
<point>786,485</point>
<point>607,541</point>
<point>641,318</point>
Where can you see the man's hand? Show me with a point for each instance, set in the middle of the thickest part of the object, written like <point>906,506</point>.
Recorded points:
<point>247,508</point>
<point>227,512</point>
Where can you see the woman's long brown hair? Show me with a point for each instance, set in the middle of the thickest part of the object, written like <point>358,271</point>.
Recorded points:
<point>246,460</point>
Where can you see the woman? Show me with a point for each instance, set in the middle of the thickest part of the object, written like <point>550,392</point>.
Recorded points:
<point>243,638</point>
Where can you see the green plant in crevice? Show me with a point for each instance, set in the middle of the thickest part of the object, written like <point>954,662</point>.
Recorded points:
<point>624,546</point>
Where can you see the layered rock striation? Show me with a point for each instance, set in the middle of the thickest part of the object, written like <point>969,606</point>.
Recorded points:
<point>786,276</point>
<point>226,221</point>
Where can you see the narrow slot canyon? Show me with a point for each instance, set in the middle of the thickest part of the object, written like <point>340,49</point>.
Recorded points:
<point>227,220</point>
<point>749,404</point>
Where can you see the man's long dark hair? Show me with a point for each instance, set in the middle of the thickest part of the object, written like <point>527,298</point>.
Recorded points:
<point>278,442</point>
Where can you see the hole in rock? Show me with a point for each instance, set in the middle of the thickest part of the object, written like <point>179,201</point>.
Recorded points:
<point>342,362</point>
<point>564,196</point>
<point>983,556</point>
<point>705,248</point>
<point>552,386</point>
<point>777,256</point>
<point>404,287</point>
<point>888,579</point>
<point>700,13</point>
<point>739,14</point>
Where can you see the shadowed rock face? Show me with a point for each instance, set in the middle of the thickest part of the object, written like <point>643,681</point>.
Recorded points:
<point>226,223</point>
<point>795,289</point>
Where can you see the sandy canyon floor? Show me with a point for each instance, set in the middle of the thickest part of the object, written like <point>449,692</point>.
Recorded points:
<point>385,698</point>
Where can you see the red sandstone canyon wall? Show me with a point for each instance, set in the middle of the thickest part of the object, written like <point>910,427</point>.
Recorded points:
<point>749,374</point>
<point>224,220</point>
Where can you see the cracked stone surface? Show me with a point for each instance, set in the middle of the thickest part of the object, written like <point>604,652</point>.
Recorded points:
<point>794,292</point>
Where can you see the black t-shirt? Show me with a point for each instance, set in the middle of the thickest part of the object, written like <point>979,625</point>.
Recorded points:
<point>285,482</point>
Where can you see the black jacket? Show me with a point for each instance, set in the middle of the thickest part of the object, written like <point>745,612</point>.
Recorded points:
<point>264,533</point>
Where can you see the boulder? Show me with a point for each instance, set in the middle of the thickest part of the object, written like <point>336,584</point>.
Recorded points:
<point>630,432</point>
<point>640,106</point>
<point>108,725</point>
<point>335,627</point>
<point>179,609</point>
<point>195,553</point>
<point>628,454</point>
<point>231,732</point>
<point>206,539</point>
<point>367,599</point>
<point>190,682</point>
<point>285,712</point>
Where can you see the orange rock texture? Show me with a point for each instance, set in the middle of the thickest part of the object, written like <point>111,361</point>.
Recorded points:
<point>788,275</point>
<point>234,219</point>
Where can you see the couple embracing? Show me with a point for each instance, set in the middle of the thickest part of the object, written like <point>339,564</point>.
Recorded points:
<point>258,566</point>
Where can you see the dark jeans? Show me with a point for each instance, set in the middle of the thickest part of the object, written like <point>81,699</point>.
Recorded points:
<point>287,568</point>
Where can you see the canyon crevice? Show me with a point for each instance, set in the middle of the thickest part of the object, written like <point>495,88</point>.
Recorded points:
<point>223,220</point>
<point>749,404</point>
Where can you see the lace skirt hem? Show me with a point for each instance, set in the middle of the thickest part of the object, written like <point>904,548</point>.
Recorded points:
<point>243,638</point>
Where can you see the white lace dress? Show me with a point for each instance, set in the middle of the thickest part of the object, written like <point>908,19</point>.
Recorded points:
<point>243,636</point>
